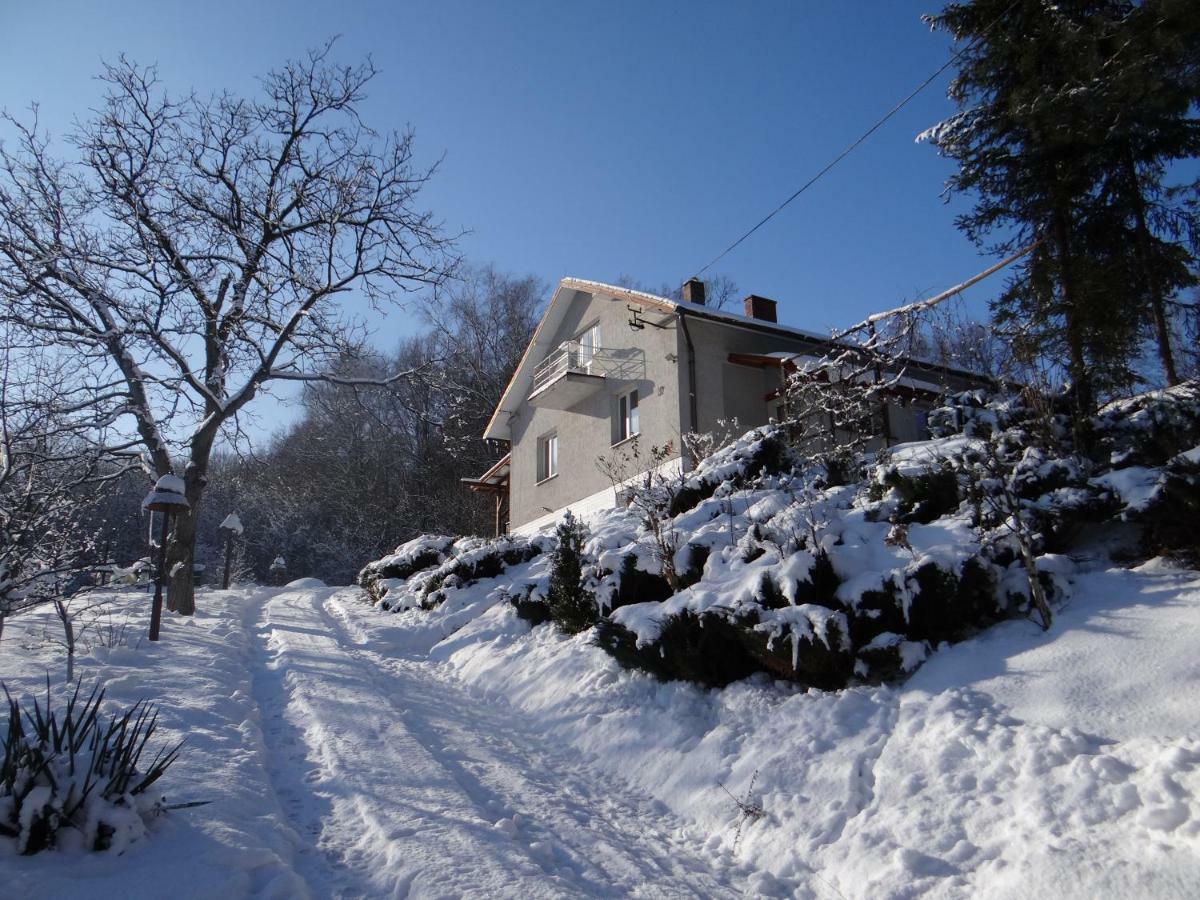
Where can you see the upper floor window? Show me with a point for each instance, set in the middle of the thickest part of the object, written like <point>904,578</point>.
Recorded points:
<point>547,464</point>
<point>629,417</point>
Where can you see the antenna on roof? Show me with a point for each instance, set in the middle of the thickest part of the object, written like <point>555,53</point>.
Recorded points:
<point>636,322</point>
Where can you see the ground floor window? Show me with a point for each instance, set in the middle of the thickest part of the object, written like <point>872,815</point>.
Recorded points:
<point>629,417</point>
<point>547,456</point>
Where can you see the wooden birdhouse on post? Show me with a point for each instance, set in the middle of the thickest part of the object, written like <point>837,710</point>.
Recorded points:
<point>166,497</point>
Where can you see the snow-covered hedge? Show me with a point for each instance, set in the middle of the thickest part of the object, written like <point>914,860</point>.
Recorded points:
<point>421,573</point>
<point>760,562</point>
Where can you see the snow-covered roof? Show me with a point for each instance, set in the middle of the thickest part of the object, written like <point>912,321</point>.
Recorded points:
<point>541,344</point>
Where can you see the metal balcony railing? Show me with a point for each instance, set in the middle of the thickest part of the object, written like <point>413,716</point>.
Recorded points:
<point>572,356</point>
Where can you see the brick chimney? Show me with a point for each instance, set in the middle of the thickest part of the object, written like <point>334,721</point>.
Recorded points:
<point>693,291</point>
<point>761,308</point>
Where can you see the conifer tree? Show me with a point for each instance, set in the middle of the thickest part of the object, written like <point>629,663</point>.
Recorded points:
<point>1147,86</point>
<point>571,606</point>
<point>1054,143</point>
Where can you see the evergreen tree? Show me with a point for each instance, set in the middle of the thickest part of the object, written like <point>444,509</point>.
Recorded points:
<point>1146,89</point>
<point>571,606</point>
<point>1048,131</point>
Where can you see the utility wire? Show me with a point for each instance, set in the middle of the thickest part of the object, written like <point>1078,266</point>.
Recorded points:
<point>866,134</point>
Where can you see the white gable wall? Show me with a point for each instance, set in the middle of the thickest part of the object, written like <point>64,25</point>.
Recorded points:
<point>650,362</point>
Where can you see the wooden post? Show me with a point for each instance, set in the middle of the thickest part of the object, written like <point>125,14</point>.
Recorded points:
<point>228,559</point>
<point>156,609</point>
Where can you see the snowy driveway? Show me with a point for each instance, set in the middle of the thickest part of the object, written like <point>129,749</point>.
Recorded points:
<point>402,783</point>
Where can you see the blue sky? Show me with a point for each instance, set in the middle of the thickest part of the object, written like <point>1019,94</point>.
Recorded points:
<point>598,139</point>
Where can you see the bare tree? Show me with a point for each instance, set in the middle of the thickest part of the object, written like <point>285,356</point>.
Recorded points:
<point>482,322</point>
<point>52,472</point>
<point>197,250</point>
<point>644,481</point>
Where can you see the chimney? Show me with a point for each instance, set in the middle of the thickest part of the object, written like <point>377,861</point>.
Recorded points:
<point>761,308</point>
<point>693,291</point>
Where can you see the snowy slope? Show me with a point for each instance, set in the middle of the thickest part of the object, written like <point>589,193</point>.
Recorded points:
<point>345,761</point>
<point>1015,764</point>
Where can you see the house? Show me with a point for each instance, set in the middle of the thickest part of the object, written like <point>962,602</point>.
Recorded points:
<point>608,365</point>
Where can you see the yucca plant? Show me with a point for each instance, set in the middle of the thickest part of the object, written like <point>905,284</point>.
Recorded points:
<point>68,770</point>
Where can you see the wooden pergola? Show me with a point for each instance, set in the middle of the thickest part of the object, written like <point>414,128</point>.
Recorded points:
<point>495,482</point>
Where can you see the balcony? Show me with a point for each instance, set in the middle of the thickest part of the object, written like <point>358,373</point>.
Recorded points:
<point>573,373</point>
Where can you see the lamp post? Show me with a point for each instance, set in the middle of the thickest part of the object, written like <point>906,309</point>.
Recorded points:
<point>166,497</point>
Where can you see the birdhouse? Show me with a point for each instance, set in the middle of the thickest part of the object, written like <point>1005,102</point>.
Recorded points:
<point>167,496</point>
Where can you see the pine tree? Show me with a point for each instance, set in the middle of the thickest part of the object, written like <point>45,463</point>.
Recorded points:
<point>571,606</point>
<point>1147,86</point>
<point>1047,129</point>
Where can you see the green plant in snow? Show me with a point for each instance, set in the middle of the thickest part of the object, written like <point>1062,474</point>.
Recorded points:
<point>572,607</point>
<point>67,770</point>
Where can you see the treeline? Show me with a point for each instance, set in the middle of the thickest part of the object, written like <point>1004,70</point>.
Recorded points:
<point>365,468</point>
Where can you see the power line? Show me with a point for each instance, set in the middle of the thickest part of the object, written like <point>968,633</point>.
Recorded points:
<point>866,134</point>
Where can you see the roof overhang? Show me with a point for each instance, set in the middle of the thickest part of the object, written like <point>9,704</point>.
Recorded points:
<point>494,480</point>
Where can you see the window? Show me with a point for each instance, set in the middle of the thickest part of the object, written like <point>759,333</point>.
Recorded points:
<point>547,466</point>
<point>629,417</point>
<point>589,341</point>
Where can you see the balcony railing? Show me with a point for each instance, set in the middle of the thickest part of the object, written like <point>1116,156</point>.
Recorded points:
<point>572,357</point>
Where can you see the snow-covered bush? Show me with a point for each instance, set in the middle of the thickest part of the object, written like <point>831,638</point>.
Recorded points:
<point>1152,428</point>
<point>419,574</point>
<point>416,555</point>
<point>67,778</point>
<point>760,561</point>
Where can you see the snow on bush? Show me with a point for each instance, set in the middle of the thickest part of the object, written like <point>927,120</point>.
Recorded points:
<point>760,561</point>
<point>68,779</point>
<point>420,553</point>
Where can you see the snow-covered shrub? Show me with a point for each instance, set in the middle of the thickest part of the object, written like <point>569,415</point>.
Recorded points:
<point>761,451</point>
<point>1171,515</point>
<point>530,606</point>
<point>805,643</point>
<point>570,604</point>
<point>68,777</point>
<point>436,565</point>
<point>706,649</point>
<point>416,555</point>
<point>1152,428</point>
<point>472,560</point>
<point>920,497</point>
<point>632,584</point>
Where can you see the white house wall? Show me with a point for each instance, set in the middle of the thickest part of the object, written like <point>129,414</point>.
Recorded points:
<point>597,502</point>
<point>650,364</point>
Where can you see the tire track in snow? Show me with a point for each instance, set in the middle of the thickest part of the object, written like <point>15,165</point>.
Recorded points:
<point>424,790</point>
<point>285,757</point>
<point>582,821</point>
<point>391,822</point>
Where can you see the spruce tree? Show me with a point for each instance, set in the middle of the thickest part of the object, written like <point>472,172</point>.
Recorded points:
<point>571,606</point>
<point>1146,87</point>
<point>1052,141</point>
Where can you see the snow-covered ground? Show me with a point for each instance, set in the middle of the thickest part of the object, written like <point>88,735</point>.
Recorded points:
<point>335,771</point>
<point>351,752</point>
